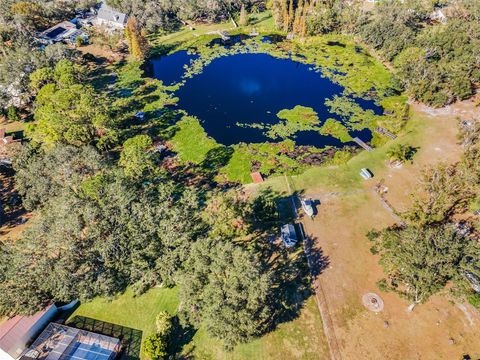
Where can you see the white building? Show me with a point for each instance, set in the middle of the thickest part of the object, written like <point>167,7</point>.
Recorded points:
<point>110,18</point>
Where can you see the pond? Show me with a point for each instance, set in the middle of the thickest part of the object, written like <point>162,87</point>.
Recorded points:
<point>235,96</point>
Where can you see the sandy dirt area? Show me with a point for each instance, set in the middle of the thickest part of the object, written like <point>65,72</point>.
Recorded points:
<point>439,329</point>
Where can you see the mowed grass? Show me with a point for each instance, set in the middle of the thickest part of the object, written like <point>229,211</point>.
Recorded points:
<point>301,338</point>
<point>262,22</point>
<point>137,312</point>
<point>346,177</point>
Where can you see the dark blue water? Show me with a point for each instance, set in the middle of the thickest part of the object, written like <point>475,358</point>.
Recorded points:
<point>253,88</point>
<point>170,68</point>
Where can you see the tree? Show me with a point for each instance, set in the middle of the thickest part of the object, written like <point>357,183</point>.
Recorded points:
<point>227,214</point>
<point>67,110</point>
<point>290,16</point>
<point>137,43</point>
<point>445,190</point>
<point>135,158</point>
<point>40,176</point>
<point>155,347</point>
<point>419,261</point>
<point>243,16</point>
<point>279,13</point>
<point>12,114</point>
<point>163,323</point>
<point>81,246</point>
<point>16,65</point>
<point>400,152</point>
<point>228,290</point>
<point>297,22</point>
<point>41,77</point>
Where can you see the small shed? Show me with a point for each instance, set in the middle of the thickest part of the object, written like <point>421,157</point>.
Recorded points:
<point>256,177</point>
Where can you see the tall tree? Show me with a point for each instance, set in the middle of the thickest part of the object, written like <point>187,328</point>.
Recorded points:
<point>135,157</point>
<point>290,16</point>
<point>419,261</point>
<point>41,176</point>
<point>67,109</point>
<point>82,246</point>
<point>137,43</point>
<point>297,22</point>
<point>243,16</point>
<point>228,290</point>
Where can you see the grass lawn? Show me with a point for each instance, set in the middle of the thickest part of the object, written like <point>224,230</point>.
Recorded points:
<point>191,141</point>
<point>137,312</point>
<point>262,22</point>
<point>301,338</point>
<point>346,177</point>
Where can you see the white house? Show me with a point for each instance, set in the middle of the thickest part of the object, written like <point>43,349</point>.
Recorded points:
<point>19,331</point>
<point>110,18</point>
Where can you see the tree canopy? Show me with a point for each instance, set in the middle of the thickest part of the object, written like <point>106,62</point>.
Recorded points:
<point>228,290</point>
<point>67,109</point>
<point>419,261</point>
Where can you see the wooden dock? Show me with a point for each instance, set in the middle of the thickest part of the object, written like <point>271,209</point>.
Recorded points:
<point>362,144</point>
<point>383,131</point>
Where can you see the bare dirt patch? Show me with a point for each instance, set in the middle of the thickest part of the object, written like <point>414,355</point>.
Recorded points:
<point>435,330</point>
<point>438,329</point>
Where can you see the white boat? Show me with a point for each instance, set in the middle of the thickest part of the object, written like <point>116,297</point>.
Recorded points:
<point>307,206</point>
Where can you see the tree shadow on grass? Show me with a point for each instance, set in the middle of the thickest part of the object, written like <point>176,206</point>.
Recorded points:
<point>293,278</point>
<point>159,50</point>
<point>215,159</point>
<point>181,335</point>
<point>131,339</point>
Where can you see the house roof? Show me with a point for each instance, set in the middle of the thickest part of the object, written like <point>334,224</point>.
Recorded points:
<point>59,29</point>
<point>256,177</point>
<point>16,328</point>
<point>108,13</point>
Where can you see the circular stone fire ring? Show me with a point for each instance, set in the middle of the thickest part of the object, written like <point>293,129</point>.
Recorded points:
<point>372,302</point>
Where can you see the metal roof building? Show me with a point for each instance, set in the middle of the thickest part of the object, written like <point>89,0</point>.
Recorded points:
<point>18,331</point>
<point>60,342</point>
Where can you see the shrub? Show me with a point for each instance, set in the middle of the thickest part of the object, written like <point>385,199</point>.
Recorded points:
<point>12,114</point>
<point>155,347</point>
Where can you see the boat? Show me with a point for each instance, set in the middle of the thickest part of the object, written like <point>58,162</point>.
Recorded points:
<point>307,206</point>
